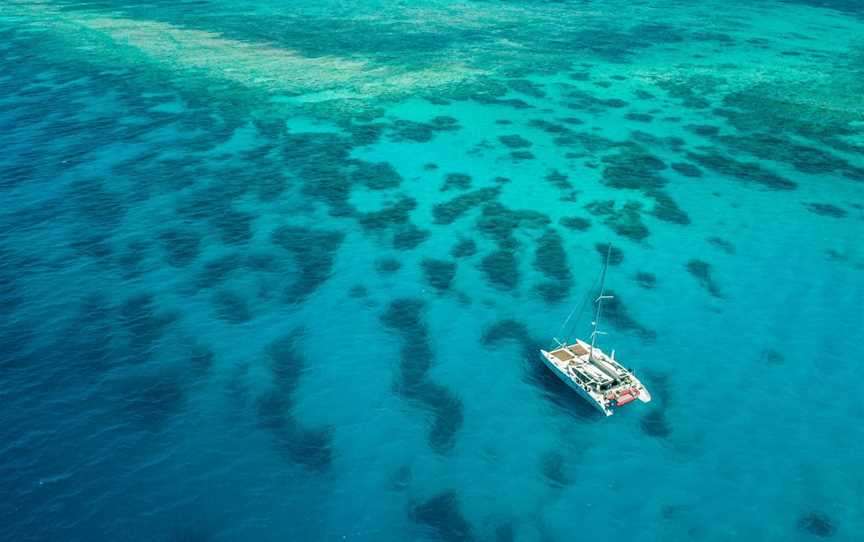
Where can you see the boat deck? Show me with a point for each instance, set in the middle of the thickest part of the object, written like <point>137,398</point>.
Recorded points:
<point>600,371</point>
<point>570,352</point>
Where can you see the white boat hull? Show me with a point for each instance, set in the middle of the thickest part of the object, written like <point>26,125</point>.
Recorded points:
<point>547,360</point>
<point>595,376</point>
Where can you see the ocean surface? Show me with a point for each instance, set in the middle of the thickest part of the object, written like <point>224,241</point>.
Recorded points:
<point>281,270</point>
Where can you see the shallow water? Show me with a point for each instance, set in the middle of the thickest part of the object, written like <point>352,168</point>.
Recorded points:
<point>281,271</point>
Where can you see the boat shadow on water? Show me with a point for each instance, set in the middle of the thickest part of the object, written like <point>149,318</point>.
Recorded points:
<point>555,391</point>
<point>551,388</point>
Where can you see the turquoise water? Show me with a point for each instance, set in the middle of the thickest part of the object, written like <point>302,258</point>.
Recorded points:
<point>280,271</point>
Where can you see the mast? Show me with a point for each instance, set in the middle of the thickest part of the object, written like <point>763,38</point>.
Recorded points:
<point>595,324</point>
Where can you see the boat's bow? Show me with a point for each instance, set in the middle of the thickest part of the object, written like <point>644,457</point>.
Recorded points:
<point>644,396</point>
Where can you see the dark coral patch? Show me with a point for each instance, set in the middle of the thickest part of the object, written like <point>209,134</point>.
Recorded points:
<point>616,313</point>
<point>272,410</point>
<point>559,180</point>
<point>270,186</point>
<point>826,209</point>
<point>625,221</point>
<point>416,360</point>
<point>553,467</point>
<point>773,147</point>
<point>200,360</point>
<point>408,237</point>
<point>500,223</point>
<point>132,258</point>
<point>152,400</point>
<point>646,280</point>
<point>638,136</point>
<point>422,132</point>
<point>95,203</point>
<point>464,249</point>
<point>501,269</point>
<point>639,117</point>
<point>387,266</point>
<point>314,252</point>
<point>524,86</point>
<point>633,167</point>
<point>214,272</point>
<point>551,127</point>
<point>447,414</point>
<point>835,255</point>
<point>515,141</point>
<point>688,91</point>
<point>573,121</point>
<point>450,211</point>
<point>515,103</point>
<point>397,213</point>
<point>183,246</point>
<point>749,172</point>
<point>506,329</point>
<point>586,141</point>
<point>586,101</point>
<point>723,244</point>
<point>358,291</point>
<point>522,155</point>
<point>405,315</point>
<point>377,176</point>
<point>666,209</point>
<point>443,514</point>
<point>771,356</point>
<point>817,523</point>
<point>310,447</point>
<point>705,130</point>
<point>439,273</point>
<point>553,291</point>
<point>615,103</point>
<point>616,255</point>
<point>702,271</point>
<point>365,133</point>
<point>286,362</point>
<point>316,160</point>
<point>575,223</point>
<point>457,181</point>
<point>235,227</point>
<point>139,315</point>
<point>550,257</point>
<point>263,262</point>
<point>687,170</point>
<point>654,424</point>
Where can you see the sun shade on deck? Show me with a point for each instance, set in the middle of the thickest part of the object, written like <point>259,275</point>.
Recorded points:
<point>570,352</point>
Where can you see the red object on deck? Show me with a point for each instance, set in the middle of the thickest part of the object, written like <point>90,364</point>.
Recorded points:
<point>626,398</point>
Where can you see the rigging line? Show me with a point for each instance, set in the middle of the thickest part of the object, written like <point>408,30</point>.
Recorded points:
<point>588,297</point>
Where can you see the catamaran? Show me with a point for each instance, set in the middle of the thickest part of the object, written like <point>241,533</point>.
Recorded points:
<point>593,374</point>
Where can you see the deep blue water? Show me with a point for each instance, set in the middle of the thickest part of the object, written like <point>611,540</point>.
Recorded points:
<point>281,271</point>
